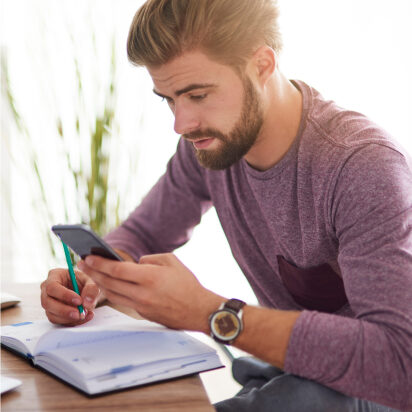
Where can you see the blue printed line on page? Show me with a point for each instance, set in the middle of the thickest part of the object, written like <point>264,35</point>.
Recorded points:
<point>121,369</point>
<point>22,324</point>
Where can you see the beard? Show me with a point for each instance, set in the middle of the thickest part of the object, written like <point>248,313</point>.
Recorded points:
<point>234,145</point>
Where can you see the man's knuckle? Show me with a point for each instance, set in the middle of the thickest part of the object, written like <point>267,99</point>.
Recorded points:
<point>48,288</point>
<point>144,298</point>
<point>53,272</point>
<point>118,270</point>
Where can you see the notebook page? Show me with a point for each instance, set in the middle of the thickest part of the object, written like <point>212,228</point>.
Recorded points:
<point>134,350</point>
<point>28,333</point>
<point>106,324</point>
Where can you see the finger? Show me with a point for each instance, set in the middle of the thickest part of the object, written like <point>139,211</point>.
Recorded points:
<point>59,312</point>
<point>127,271</point>
<point>82,279</point>
<point>122,300</point>
<point>61,293</point>
<point>62,276</point>
<point>58,275</point>
<point>157,259</point>
<point>118,286</point>
<point>100,264</point>
<point>90,294</point>
<point>60,320</point>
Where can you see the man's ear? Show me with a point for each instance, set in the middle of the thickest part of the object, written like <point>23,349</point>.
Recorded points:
<point>263,64</point>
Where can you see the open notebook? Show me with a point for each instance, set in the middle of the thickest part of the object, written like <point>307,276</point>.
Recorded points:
<point>111,352</point>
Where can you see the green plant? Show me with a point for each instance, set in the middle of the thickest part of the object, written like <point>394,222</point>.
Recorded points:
<point>94,177</point>
<point>84,152</point>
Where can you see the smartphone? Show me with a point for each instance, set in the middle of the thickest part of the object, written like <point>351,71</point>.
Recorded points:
<point>83,241</point>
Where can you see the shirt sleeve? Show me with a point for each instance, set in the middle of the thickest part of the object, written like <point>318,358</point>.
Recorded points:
<point>167,215</point>
<point>369,356</point>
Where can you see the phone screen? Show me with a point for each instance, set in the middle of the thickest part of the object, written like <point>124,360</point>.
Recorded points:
<point>83,241</point>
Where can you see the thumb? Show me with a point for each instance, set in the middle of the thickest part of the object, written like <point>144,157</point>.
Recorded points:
<point>90,295</point>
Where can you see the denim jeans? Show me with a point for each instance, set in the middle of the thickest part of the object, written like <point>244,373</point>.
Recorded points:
<point>268,389</point>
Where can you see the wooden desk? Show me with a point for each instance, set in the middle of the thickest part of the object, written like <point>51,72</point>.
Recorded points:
<point>41,392</point>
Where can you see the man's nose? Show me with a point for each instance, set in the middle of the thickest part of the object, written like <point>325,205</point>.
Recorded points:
<point>186,120</point>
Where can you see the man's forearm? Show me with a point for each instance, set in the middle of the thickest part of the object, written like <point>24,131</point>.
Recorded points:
<point>266,333</point>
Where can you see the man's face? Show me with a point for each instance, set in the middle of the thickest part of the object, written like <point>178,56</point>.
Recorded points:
<point>214,108</point>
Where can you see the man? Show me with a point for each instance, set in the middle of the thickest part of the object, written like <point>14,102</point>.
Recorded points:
<point>315,202</point>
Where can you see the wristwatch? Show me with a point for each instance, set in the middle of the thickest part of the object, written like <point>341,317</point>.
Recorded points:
<point>226,323</point>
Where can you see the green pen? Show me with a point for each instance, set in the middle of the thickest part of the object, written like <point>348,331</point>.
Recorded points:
<point>72,275</point>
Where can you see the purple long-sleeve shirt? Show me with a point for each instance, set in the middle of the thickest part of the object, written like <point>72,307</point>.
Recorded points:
<point>327,230</point>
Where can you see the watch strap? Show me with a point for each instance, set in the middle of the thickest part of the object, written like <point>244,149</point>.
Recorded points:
<point>234,304</point>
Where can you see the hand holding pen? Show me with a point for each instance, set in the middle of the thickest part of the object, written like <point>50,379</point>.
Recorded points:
<point>62,302</point>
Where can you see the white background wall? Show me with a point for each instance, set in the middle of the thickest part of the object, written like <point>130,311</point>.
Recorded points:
<point>356,52</point>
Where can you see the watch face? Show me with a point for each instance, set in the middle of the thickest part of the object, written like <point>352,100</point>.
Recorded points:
<point>225,325</point>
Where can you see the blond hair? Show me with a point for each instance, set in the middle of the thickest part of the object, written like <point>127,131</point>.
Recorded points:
<point>228,31</point>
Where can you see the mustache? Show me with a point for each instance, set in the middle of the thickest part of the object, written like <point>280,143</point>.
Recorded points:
<point>205,133</point>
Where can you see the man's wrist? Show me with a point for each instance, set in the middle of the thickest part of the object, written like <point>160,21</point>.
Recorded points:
<point>209,308</point>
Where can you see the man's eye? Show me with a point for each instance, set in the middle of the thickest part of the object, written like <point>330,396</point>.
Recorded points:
<point>198,96</point>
